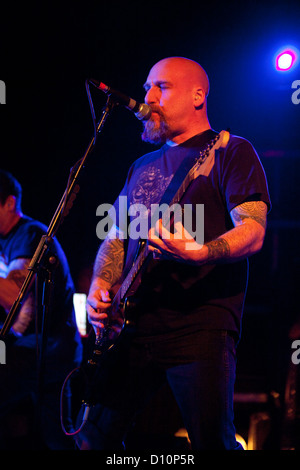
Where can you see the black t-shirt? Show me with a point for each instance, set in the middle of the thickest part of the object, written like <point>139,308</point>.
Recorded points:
<point>177,298</point>
<point>62,333</point>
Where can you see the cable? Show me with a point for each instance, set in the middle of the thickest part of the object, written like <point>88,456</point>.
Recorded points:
<point>86,411</point>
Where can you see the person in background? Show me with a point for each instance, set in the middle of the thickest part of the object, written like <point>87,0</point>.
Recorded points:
<point>24,376</point>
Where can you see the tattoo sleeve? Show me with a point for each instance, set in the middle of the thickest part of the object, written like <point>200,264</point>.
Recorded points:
<point>256,210</point>
<point>244,239</point>
<point>218,250</point>
<point>110,260</point>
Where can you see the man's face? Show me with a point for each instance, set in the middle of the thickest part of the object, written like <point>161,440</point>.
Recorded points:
<point>169,94</point>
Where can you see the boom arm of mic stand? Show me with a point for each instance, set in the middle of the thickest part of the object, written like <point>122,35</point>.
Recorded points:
<point>47,239</point>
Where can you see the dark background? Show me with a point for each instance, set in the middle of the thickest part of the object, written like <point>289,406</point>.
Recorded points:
<point>48,49</point>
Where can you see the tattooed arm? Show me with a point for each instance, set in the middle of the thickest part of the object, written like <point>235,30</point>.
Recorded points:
<point>245,239</point>
<point>108,268</point>
<point>247,236</point>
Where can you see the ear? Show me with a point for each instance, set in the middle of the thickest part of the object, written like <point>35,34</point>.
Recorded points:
<point>10,203</point>
<point>199,97</point>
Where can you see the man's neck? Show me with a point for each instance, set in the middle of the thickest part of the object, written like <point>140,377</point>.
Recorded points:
<point>13,220</point>
<point>179,139</point>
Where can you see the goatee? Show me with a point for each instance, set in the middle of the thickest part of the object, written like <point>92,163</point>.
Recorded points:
<point>155,133</point>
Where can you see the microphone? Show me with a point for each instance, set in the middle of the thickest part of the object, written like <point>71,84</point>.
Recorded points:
<point>141,110</point>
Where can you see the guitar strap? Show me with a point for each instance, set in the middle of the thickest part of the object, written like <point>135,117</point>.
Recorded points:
<point>183,171</point>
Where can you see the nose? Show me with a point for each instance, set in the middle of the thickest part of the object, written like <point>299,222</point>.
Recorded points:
<point>151,96</point>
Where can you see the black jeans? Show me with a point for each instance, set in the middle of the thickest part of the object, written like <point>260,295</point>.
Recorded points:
<point>202,384</point>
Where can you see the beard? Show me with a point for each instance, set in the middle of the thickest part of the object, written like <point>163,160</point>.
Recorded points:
<point>155,132</point>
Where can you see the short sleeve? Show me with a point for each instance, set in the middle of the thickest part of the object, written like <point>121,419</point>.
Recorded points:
<point>242,175</point>
<point>25,241</point>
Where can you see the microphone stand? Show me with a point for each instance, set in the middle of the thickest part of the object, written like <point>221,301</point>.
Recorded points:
<point>48,263</point>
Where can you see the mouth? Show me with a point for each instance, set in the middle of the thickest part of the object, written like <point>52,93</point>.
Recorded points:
<point>156,115</point>
<point>156,111</point>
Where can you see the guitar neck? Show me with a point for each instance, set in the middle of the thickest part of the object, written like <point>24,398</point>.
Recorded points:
<point>128,282</point>
<point>194,171</point>
<point>138,264</point>
<point>184,186</point>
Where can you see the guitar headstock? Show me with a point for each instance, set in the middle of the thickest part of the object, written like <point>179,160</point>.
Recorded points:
<point>222,141</point>
<point>206,160</point>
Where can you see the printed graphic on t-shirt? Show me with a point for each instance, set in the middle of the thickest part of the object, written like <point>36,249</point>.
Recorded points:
<point>150,187</point>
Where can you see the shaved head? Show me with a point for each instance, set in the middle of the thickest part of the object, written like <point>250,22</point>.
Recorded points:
<point>186,69</point>
<point>176,90</point>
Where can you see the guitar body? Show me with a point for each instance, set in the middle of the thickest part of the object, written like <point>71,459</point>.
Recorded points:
<point>110,353</point>
<point>122,313</point>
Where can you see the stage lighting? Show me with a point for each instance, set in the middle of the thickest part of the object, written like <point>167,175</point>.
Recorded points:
<point>286,59</point>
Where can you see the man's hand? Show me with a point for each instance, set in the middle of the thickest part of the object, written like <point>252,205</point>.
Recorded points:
<point>179,246</point>
<point>98,302</point>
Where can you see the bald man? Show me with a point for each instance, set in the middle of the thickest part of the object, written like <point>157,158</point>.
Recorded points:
<point>188,308</point>
<point>177,89</point>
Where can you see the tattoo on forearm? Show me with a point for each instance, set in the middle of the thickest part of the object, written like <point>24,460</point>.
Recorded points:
<point>256,210</point>
<point>109,261</point>
<point>218,249</point>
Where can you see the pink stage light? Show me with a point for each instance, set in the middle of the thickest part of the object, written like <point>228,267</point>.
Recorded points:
<point>286,59</point>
